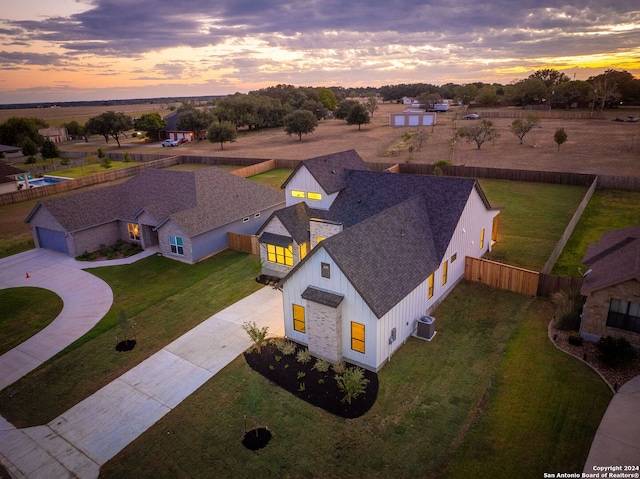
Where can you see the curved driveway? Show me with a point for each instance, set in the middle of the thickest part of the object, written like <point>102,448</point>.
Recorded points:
<point>86,300</point>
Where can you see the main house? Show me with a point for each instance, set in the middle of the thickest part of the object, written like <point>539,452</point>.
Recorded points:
<point>363,255</point>
<point>612,286</point>
<point>186,214</point>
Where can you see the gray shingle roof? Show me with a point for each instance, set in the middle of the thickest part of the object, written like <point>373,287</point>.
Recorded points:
<point>322,296</point>
<point>7,170</point>
<point>613,259</point>
<point>328,169</point>
<point>397,230</point>
<point>197,201</point>
<point>276,240</point>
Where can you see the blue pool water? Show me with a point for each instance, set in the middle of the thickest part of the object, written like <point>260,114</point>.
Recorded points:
<point>45,181</point>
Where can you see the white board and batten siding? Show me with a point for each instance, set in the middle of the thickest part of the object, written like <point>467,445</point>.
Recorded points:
<point>304,181</point>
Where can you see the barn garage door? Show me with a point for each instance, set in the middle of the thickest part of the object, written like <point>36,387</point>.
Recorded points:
<point>52,239</point>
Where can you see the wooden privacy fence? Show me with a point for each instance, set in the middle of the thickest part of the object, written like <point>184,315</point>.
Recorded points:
<point>255,169</point>
<point>553,114</point>
<point>516,279</point>
<point>501,275</point>
<point>243,243</point>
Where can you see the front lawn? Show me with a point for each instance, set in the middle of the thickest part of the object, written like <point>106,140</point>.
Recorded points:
<point>533,219</point>
<point>24,312</point>
<point>430,395</point>
<point>161,298</point>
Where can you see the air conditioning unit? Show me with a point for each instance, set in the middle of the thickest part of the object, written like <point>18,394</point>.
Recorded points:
<point>426,328</point>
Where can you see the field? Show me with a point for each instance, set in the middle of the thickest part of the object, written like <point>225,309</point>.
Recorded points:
<point>593,146</point>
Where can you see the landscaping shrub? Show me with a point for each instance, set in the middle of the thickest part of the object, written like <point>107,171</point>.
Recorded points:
<point>321,366</point>
<point>352,383</point>
<point>569,307</point>
<point>303,356</point>
<point>615,352</point>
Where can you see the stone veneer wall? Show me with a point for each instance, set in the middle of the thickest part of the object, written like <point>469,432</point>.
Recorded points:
<point>596,310</point>
<point>324,330</point>
<point>323,230</point>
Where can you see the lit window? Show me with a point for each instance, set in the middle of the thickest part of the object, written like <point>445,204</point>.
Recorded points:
<point>445,270</point>
<point>298,318</point>
<point>176,244</point>
<point>325,270</point>
<point>303,250</point>
<point>297,194</point>
<point>430,293</point>
<point>314,196</point>
<point>319,238</point>
<point>278,254</point>
<point>357,337</point>
<point>134,231</point>
<point>482,238</point>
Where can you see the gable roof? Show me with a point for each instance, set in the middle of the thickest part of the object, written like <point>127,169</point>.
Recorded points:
<point>397,228</point>
<point>197,201</point>
<point>612,260</point>
<point>328,169</point>
<point>6,171</point>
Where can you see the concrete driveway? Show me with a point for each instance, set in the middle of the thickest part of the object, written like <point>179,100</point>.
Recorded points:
<point>86,300</point>
<point>85,437</point>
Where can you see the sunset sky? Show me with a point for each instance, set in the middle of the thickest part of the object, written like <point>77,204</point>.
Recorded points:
<point>62,50</point>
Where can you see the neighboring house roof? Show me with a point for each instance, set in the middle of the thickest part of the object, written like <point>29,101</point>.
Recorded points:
<point>612,260</point>
<point>197,201</point>
<point>6,171</point>
<point>328,169</point>
<point>396,231</point>
<point>9,149</point>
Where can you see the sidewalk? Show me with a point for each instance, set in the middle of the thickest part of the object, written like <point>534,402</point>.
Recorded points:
<point>85,437</point>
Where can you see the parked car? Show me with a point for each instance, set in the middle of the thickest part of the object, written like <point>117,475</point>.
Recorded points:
<point>632,119</point>
<point>471,116</point>
<point>183,140</point>
<point>169,143</point>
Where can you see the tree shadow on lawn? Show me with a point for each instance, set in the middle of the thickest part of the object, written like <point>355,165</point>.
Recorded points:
<point>317,388</point>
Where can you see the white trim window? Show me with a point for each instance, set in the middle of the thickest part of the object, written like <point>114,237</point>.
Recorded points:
<point>176,245</point>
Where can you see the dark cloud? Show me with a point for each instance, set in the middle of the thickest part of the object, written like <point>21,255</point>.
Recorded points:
<point>24,59</point>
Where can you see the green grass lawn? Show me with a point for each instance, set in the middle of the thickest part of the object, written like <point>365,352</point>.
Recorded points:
<point>87,170</point>
<point>162,298</point>
<point>607,210</point>
<point>273,178</point>
<point>24,312</point>
<point>533,219</point>
<point>489,345</point>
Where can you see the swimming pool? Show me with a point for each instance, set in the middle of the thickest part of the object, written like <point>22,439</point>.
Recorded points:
<point>44,181</point>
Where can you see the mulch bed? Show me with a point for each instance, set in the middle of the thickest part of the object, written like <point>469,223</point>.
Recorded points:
<point>589,354</point>
<point>317,388</point>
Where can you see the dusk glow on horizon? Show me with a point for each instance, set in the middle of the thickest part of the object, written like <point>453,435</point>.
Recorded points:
<point>113,49</point>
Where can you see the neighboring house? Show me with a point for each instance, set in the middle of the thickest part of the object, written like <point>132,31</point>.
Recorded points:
<point>57,135</point>
<point>612,286</point>
<point>9,177</point>
<point>171,132</point>
<point>11,154</point>
<point>411,100</point>
<point>186,214</point>
<point>363,255</point>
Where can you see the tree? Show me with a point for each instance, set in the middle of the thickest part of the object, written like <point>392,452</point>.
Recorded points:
<point>327,98</point>
<point>521,127</point>
<point>358,115</point>
<point>571,92</point>
<point>15,129</point>
<point>344,107</point>
<point>152,123</point>
<point>29,147</point>
<point>352,383</point>
<point>550,77</point>
<point>560,136</point>
<point>106,163</point>
<point>487,95</point>
<point>222,132</point>
<point>466,93</point>
<point>484,131</point>
<point>420,137</point>
<point>194,120</point>
<point>49,150</point>
<point>257,335</point>
<point>524,92</point>
<point>606,90</point>
<point>109,124</point>
<point>428,101</point>
<point>371,105</point>
<point>300,122</point>
<point>74,129</point>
